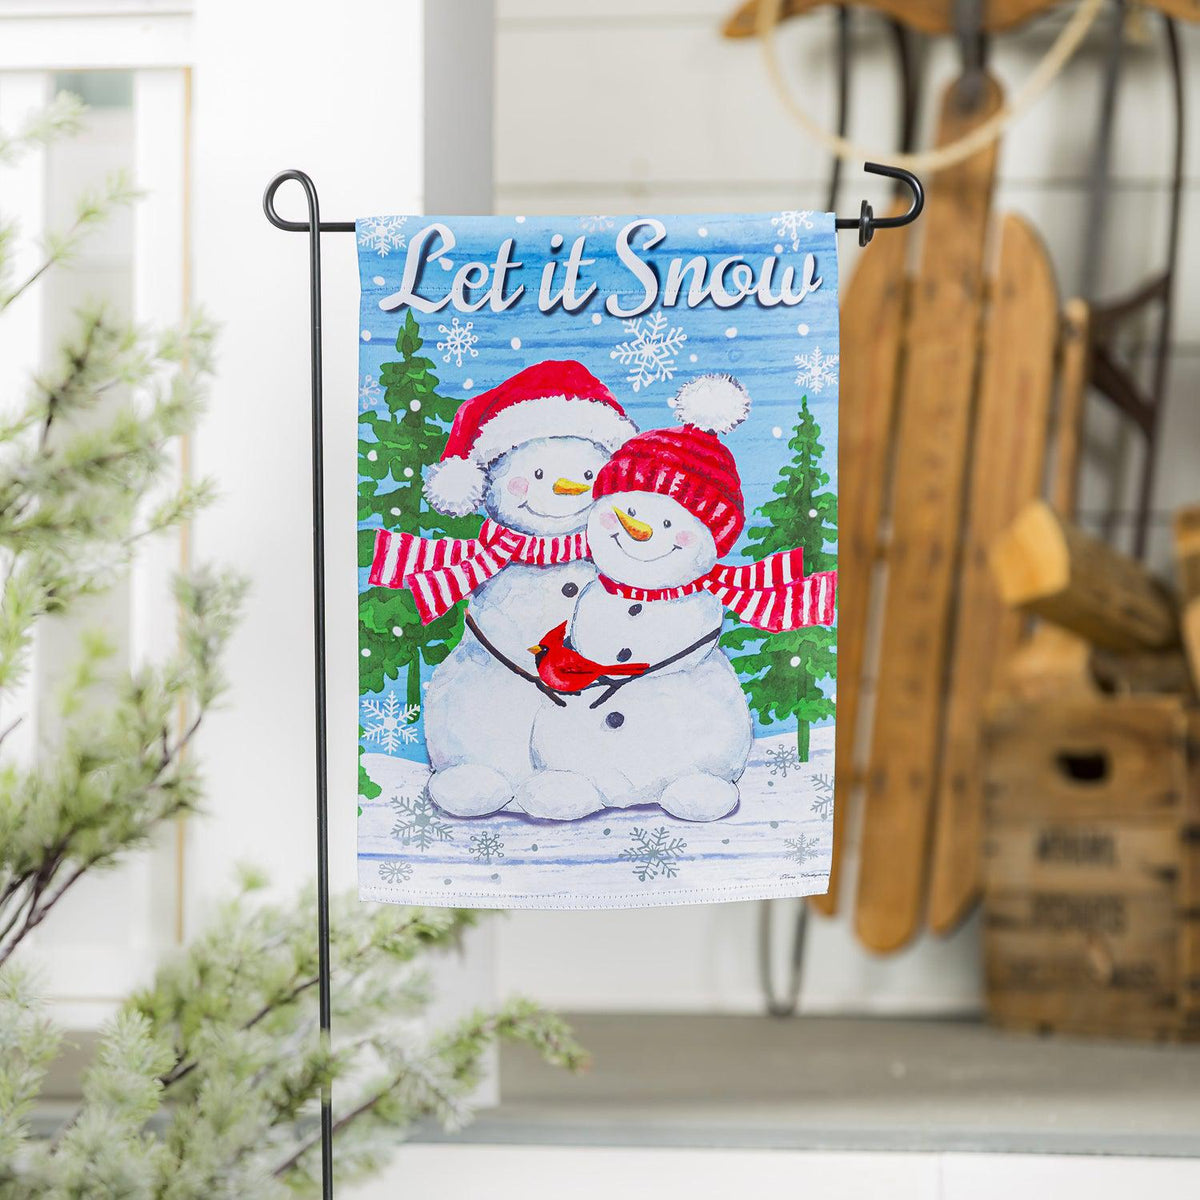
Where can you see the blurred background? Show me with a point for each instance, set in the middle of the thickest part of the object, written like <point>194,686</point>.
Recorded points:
<point>1025,798</point>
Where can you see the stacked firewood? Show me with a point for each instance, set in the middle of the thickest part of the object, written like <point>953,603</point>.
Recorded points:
<point>1092,789</point>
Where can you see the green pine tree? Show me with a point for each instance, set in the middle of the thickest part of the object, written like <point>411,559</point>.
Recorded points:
<point>411,435</point>
<point>782,672</point>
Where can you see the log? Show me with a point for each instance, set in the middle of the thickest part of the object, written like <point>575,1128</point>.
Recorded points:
<point>1048,567</point>
<point>1187,561</point>
<point>1056,665</point>
<point>1052,665</point>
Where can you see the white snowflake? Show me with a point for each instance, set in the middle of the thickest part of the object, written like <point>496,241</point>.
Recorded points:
<point>596,224</point>
<point>417,823</point>
<point>822,805</point>
<point>650,352</point>
<point>816,371</point>
<point>389,722</point>
<point>801,849</point>
<point>369,392</point>
<point>382,234</point>
<point>486,846</point>
<point>395,871</point>
<point>782,758</point>
<point>792,224</point>
<point>459,341</point>
<point>654,853</point>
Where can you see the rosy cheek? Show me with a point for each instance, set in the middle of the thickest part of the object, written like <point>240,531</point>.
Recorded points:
<point>518,486</point>
<point>608,520</point>
<point>684,538</point>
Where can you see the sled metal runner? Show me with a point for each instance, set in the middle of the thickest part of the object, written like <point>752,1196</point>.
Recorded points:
<point>866,223</point>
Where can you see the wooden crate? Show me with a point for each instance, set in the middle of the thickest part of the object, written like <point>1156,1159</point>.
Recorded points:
<point>1092,866</point>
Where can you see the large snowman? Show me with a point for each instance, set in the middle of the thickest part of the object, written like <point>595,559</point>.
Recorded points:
<point>667,506</point>
<point>527,452</point>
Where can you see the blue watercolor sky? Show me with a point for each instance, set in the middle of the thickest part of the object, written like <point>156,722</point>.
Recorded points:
<point>756,344</point>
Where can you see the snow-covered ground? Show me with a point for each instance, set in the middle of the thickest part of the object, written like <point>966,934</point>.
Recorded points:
<point>777,843</point>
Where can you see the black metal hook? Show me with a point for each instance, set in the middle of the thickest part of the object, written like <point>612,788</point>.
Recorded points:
<point>310,192</point>
<point>866,222</point>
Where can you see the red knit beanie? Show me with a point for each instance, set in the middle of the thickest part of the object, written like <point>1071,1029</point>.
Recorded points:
<point>691,464</point>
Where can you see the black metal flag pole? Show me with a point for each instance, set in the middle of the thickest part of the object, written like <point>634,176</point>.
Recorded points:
<point>866,223</point>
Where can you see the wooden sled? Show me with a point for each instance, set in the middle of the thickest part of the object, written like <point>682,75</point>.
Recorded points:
<point>962,392</point>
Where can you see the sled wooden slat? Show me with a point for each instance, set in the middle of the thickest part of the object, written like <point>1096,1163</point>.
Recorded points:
<point>934,421</point>
<point>1016,387</point>
<point>1072,394</point>
<point>872,324</point>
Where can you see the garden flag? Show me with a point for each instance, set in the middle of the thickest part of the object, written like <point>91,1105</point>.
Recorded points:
<point>597,531</point>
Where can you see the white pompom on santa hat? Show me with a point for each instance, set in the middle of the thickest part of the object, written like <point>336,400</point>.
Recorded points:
<point>549,399</point>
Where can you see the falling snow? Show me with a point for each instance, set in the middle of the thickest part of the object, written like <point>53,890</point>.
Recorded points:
<point>822,805</point>
<point>597,224</point>
<point>650,351</point>
<point>369,392</point>
<point>382,234</point>
<point>417,823</point>
<point>816,371</point>
<point>782,760</point>
<point>792,225</point>
<point>389,723</point>
<point>654,853</point>
<point>486,846</point>
<point>395,871</point>
<point>801,849</point>
<point>460,341</point>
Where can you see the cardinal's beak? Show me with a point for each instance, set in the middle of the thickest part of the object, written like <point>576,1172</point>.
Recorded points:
<point>568,487</point>
<point>536,650</point>
<point>638,530</point>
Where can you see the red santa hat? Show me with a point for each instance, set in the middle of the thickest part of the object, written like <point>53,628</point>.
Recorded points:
<point>691,465</point>
<point>549,399</point>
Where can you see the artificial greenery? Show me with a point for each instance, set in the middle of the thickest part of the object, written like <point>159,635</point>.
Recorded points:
<point>207,1083</point>
<point>782,672</point>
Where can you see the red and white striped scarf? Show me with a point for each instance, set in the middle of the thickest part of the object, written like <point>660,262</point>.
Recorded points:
<point>774,595</point>
<point>442,571</point>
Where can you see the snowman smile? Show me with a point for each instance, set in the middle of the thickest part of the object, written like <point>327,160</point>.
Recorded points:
<point>616,537</point>
<point>549,515</point>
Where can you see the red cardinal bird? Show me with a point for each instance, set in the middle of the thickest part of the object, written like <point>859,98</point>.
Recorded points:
<point>566,670</point>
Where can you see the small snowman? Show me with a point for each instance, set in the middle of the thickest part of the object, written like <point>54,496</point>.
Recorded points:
<point>527,452</point>
<point>668,506</point>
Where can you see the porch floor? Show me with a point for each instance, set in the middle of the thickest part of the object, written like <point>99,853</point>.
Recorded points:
<point>849,1084</point>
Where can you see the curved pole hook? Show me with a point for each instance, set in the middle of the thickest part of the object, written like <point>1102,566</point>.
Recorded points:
<point>314,213</point>
<point>866,222</point>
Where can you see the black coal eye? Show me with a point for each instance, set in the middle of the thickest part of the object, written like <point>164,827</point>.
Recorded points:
<point>633,512</point>
<point>587,475</point>
<point>538,473</point>
<point>666,524</point>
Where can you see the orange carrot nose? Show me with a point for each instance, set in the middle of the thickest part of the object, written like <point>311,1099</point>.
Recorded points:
<point>638,530</point>
<point>568,487</point>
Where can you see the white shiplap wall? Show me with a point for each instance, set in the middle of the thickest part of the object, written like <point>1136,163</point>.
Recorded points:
<point>642,106</point>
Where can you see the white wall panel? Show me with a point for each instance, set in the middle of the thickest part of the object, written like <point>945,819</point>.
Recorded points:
<point>644,107</point>
<point>653,104</point>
